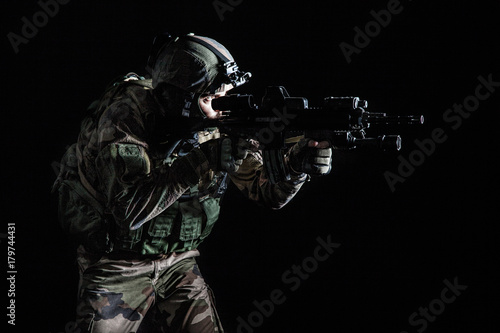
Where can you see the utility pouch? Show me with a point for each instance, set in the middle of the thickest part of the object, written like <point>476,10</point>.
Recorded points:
<point>192,220</point>
<point>211,207</point>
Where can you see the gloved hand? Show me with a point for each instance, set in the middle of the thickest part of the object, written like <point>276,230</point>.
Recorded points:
<point>222,155</point>
<point>232,157</point>
<point>311,157</point>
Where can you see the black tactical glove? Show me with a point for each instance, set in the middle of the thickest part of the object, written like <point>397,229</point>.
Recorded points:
<point>304,158</point>
<point>222,155</point>
<point>232,156</point>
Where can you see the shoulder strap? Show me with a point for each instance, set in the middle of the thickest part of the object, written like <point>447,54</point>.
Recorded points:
<point>116,85</point>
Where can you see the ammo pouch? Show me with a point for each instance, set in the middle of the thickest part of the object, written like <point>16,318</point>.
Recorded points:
<point>80,214</point>
<point>181,227</point>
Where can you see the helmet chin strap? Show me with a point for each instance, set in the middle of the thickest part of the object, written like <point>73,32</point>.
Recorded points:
<point>191,107</point>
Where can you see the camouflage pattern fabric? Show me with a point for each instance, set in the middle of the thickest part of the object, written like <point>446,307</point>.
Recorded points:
<point>140,190</point>
<point>155,213</point>
<point>196,75</point>
<point>155,294</point>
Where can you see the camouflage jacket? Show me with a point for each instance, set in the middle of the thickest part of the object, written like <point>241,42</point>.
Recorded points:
<point>124,194</point>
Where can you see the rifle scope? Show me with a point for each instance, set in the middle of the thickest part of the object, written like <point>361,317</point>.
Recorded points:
<point>235,102</point>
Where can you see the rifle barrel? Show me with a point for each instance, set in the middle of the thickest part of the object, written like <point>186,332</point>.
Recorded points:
<point>383,119</point>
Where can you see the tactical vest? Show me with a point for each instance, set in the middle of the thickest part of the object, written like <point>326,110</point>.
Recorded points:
<point>185,223</point>
<point>181,227</point>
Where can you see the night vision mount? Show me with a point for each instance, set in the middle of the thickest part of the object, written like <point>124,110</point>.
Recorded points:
<point>234,76</point>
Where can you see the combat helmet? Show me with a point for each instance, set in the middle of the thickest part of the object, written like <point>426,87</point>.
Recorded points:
<point>193,63</point>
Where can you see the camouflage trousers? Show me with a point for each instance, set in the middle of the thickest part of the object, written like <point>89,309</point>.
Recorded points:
<point>161,294</point>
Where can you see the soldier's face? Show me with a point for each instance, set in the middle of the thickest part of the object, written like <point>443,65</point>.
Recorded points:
<point>206,102</point>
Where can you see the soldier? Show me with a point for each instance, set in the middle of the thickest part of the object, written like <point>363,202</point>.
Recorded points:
<point>140,190</point>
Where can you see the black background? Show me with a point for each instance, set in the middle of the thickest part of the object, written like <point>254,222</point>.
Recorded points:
<point>396,247</point>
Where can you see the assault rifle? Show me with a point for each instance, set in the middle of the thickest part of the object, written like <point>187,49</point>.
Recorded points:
<point>282,119</point>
